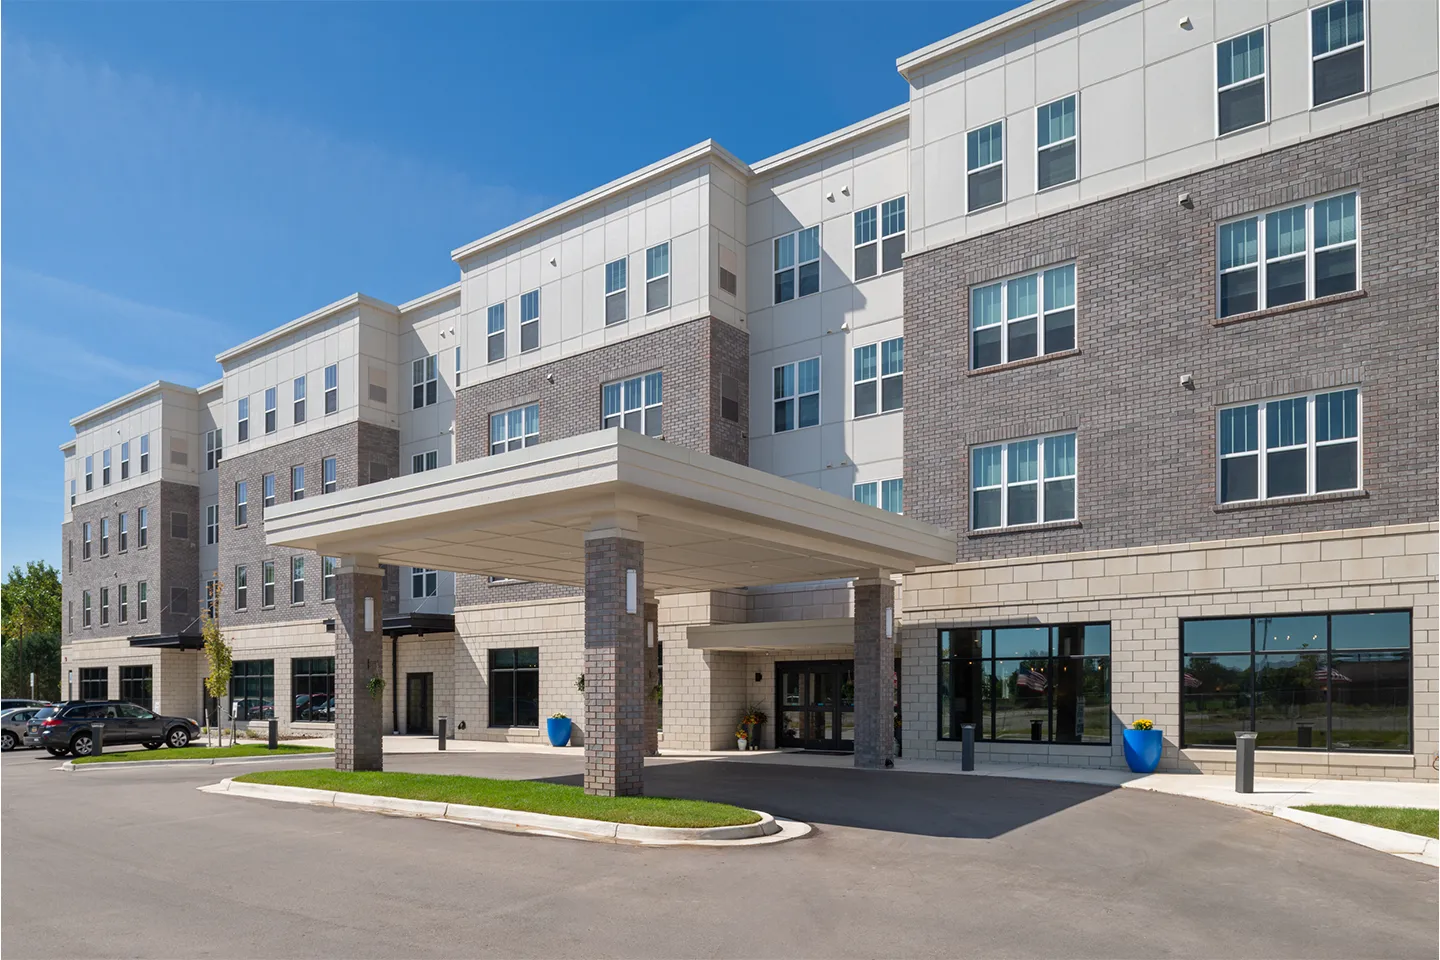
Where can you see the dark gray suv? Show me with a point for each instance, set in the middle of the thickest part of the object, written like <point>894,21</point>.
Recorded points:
<point>69,727</point>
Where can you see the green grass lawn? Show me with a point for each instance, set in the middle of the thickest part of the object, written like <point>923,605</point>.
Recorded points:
<point>199,753</point>
<point>528,795</point>
<point>1424,823</point>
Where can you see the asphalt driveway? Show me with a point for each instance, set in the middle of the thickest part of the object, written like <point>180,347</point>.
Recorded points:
<point>135,862</point>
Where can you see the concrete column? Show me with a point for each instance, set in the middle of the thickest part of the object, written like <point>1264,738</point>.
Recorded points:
<point>359,655</point>
<point>874,673</point>
<point>652,676</point>
<point>614,662</point>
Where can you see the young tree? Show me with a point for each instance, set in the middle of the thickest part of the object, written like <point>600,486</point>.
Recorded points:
<point>29,611</point>
<point>217,651</point>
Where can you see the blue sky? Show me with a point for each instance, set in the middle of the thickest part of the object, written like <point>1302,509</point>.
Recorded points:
<point>178,178</point>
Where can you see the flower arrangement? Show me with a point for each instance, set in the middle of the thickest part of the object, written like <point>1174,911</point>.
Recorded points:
<point>1143,724</point>
<point>741,734</point>
<point>558,716</point>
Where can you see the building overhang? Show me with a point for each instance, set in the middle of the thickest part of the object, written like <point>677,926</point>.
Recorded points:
<point>706,523</point>
<point>410,624</point>
<point>782,634</point>
<point>171,641</point>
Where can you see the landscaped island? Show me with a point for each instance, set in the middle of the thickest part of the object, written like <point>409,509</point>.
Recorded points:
<point>201,753</point>
<point>528,795</point>
<point>1423,823</point>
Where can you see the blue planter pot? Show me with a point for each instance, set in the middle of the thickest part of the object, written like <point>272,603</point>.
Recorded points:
<point>558,729</point>
<point>1142,749</point>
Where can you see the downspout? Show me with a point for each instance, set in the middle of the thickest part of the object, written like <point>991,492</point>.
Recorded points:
<point>395,683</point>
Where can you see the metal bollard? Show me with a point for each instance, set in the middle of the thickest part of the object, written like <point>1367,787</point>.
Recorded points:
<point>97,738</point>
<point>274,734</point>
<point>967,746</point>
<point>1304,734</point>
<point>443,722</point>
<point>1245,762</point>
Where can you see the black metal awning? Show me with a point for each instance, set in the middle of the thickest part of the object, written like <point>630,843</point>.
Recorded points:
<point>410,624</point>
<point>171,641</point>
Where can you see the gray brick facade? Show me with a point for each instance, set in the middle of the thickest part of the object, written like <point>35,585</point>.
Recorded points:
<point>615,698</point>
<point>874,674</point>
<point>1146,294</point>
<point>359,658</point>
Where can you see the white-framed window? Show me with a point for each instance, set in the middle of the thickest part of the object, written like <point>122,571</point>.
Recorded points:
<point>329,477</point>
<point>242,587</point>
<point>89,473</point>
<point>422,583</point>
<point>214,449</point>
<point>657,277</point>
<point>328,568</point>
<point>529,321</point>
<point>267,583</point>
<point>424,382</point>
<point>880,377</point>
<point>267,484</point>
<point>125,460</point>
<point>421,462</point>
<point>458,368</point>
<point>142,601</point>
<point>616,287</point>
<point>1241,98</point>
<point>297,579</point>
<point>242,419</point>
<point>1056,143</point>
<point>299,399</point>
<point>1023,482</point>
<point>104,536</point>
<point>495,332</point>
<point>797,264</point>
<point>297,482</point>
<point>124,602</point>
<point>212,590</point>
<point>1290,447</point>
<point>105,467</point>
<point>144,453</point>
<point>797,395</point>
<point>72,491</point>
<point>1300,252</point>
<point>85,540</point>
<point>85,608</point>
<point>1339,55</point>
<point>270,401</point>
<point>104,606</point>
<point>635,404</point>
<point>985,166</point>
<point>1022,317</point>
<point>123,529</point>
<point>513,429</point>
<point>879,238</point>
<point>332,388</point>
<point>885,494</point>
<point>212,523</point>
<point>142,528</point>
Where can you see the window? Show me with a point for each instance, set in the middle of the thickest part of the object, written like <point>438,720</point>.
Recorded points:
<point>267,583</point>
<point>328,480</point>
<point>457,360</point>
<point>104,606</point>
<point>797,264</point>
<point>85,541</point>
<point>212,523</point>
<point>657,277</point>
<point>242,419</point>
<point>123,602</point>
<point>252,686</point>
<point>1310,681</point>
<point>297,579</point>
<point>1021,318</point>
<point>422,583</point>
<point>213,449</point>
<point>242,503</point>
<point>125,460</point>
<point>1240,99</point>
<point>105,467</point>
<point>89,473</point>
<point>70,617</point>
<point>270,410</point>
<point>1311,250</point>
<point>104,536</point>
<point>615,291</point>
<point>72,492</point>
<point>124,531</point>
<point>886,494</point>
<point>142,601</point>
<point>880,388</point>
<point>797,395</point>
<point>513,429</point>
<point>312,686</point>
<point>69,556</point>
<point>300,399</point>
<point>1024,481</point>
<point>136,686</point>
<point>634,404</point>
<point>1337,52</point>
<point>421,462</point>
<point>879,238</point>
<point>328,567</point>
<point>142,526</point>
<point>1028,684</point>
<point>179,600</point>
<point>985,167</point>
<point>1055,143</point>
<point>85,608</point>
<point>515,687</point>
<point>297,482</point>
<point>94,683</point>
<point>332,388</point>
<point>242,587</point>
<point>212,593</point>
<point>729,398</point>
<point>495,333</point>
<point>145,454</point>
<point>1311,445</point>
<point>268,483</point>
<point>423,383</point>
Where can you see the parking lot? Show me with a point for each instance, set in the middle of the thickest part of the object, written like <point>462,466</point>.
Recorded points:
<point>136,862</point>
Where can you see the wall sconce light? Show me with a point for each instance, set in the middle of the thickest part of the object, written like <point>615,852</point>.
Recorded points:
<point>649,633</point>
<point>630,591</point>
<point>369,614</point>
<point>830,196</point>
<point>889,622</point>
<point>845,190</point>
<point>759,677</point>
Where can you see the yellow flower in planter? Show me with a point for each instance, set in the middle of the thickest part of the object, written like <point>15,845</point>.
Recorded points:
<point>1143,724</point>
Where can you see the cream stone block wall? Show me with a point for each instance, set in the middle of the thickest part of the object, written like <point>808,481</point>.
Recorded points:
<point>1144,593</point>
<point>282,643</point>
<point>433,654</point>
<point>174,678</point>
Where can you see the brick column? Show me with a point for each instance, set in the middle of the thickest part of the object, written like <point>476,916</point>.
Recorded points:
<point>359,655</point>
<point>652,677</point>
<point>874,674</point>
<point>614,664</point>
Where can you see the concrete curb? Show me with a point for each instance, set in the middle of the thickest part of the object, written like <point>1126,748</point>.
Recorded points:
<point>1394,842</point>
<point>767,830</point>
<point>71,766</point>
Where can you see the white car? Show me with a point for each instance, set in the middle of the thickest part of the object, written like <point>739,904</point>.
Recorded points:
<point>12,726</point>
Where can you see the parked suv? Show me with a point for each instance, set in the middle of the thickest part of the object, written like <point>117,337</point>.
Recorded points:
<point>69,728</point>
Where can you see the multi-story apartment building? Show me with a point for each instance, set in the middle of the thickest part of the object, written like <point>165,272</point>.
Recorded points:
<point>1167,275</point>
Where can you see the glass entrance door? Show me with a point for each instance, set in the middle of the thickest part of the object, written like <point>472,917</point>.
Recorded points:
<point>815,702</point>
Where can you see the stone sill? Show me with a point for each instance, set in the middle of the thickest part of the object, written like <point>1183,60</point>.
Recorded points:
<point>1027,362</point>
<point>1304,758</point>
<point>1289,308</point>
<point>1330,497</point>
<point>1026,528</point>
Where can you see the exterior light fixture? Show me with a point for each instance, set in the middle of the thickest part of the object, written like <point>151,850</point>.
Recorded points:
<point>630,590</point>
<point>889,622</point>
<point>369,614</point>
<point>649,633</point>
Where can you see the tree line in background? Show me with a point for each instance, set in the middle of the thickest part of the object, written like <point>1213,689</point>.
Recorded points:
<point>30,630</point>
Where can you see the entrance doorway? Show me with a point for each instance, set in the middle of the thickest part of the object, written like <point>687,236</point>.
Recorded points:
<point>815,701</point>
<point>417,703</point>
